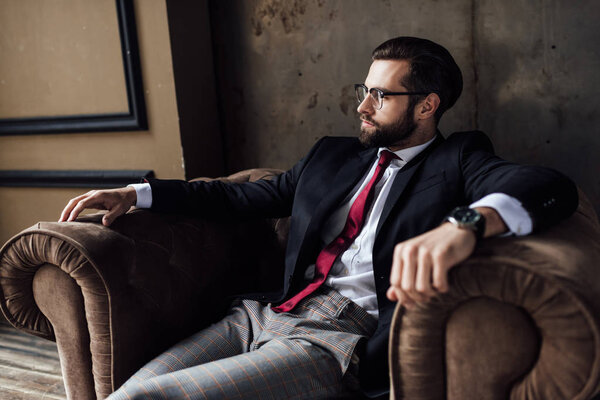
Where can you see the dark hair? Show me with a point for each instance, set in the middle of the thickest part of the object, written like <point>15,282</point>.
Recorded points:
<point>432,69</point>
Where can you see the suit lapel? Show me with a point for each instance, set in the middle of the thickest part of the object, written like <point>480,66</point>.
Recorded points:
<point>403,178</point>
<point>348,175</point>
<point>331,189</point>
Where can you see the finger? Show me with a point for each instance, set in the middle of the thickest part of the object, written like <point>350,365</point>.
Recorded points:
<point>396,277</point>
<point>89,202</point>
<point>70,205</point>
<point>424,278</point>
<point>396,294</point>
<point>76,210</point>
<point>394,291</point>
<point>396,274</point>
<point>391,294</point>
<point>113,214</point>
<point>409,262</point>
<point>440,275</point>
<point>107,219</point>
<point>409,273</point>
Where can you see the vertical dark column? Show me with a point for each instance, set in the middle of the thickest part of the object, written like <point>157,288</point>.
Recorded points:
<point>195,87</point>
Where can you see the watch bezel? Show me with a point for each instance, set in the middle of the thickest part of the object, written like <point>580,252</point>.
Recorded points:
<point>471,219</point>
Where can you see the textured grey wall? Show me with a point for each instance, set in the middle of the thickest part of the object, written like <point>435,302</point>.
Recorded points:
<point>538,66</point>
<point>285,70</point>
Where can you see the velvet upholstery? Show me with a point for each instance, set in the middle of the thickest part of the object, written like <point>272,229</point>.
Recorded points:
<point>542,294</point>
<point>521,321</point>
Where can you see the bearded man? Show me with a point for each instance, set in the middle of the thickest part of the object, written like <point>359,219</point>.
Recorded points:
<point>374,221</point>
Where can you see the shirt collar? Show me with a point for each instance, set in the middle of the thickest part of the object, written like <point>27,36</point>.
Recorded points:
<point>409,153</point>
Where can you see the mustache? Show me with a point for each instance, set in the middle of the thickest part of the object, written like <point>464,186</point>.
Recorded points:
<point>369,120</point>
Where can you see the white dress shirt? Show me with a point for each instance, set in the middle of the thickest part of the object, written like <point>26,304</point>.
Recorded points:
<point>352,272</point>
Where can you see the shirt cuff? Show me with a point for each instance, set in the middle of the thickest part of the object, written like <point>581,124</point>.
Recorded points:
<point>144,194</point>
<point>511,211</point>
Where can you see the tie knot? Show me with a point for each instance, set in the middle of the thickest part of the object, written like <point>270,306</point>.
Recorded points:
<point>386,157</point>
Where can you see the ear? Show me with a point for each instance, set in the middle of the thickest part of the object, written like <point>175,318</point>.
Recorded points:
<point>427,107</point>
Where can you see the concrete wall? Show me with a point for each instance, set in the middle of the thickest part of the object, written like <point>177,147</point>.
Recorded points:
<point>537,93</point>
<point>286,68</point>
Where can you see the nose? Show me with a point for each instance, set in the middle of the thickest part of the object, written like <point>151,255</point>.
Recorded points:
<point>366,107</point>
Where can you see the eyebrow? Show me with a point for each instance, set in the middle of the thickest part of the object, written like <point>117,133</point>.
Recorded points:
<point>403,89</point>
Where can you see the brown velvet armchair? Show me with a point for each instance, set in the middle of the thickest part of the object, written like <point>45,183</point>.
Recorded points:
<point>521,321</point>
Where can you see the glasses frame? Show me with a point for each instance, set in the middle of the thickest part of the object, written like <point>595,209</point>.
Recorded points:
<point>381,94</point>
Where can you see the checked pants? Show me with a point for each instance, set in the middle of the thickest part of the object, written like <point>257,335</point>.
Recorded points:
<point>256,353</point>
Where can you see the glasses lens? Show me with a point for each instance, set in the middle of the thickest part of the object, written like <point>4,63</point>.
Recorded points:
<point>361,93</point>
<point>377,96</point>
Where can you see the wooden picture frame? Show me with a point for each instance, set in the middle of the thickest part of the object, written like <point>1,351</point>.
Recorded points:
<point>97,179</point>
<point>134,119</point>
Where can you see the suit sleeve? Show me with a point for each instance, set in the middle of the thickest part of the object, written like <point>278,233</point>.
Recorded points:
<point>263,198</point>
<point>546,194</point>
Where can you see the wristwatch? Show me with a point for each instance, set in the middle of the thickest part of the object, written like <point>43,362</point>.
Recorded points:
<point>467,218</point>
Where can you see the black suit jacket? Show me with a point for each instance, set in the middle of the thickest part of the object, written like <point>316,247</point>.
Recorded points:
<point>450,172</point>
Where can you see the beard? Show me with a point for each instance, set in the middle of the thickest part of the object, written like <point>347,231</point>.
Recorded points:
<point>389,134</point>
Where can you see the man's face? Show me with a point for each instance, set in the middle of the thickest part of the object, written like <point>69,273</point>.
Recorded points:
<point>393,124</point>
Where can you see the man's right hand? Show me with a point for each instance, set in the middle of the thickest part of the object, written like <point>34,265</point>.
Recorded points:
<point>116,201</point>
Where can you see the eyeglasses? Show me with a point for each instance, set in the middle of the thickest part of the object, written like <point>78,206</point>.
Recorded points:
<point>377,95</point>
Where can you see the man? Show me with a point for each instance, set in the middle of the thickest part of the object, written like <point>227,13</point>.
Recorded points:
<point>367,230</point>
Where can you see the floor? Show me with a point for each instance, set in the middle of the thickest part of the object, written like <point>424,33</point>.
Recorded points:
<point>29,367</point>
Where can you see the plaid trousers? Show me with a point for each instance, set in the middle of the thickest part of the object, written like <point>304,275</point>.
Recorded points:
<point>255,353</point>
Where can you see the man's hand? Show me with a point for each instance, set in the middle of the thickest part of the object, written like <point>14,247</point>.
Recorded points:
<point>116,201</point>
<point>420,265</point>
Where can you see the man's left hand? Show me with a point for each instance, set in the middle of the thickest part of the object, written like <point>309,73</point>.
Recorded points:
<point>420,265</point>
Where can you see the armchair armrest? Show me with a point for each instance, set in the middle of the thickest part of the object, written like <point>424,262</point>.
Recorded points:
<point>521,320</point>
<point>115,297</point>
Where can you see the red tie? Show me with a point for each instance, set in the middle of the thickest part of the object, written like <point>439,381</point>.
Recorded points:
<point>354,223</point>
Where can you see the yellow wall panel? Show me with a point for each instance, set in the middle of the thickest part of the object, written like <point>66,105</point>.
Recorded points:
<point>157,149</point>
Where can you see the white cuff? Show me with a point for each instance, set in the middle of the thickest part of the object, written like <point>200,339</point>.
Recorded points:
<point>144,194</point>
<point>515,217</point>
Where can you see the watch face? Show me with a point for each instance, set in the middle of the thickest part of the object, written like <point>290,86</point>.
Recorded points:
<point>465,216</point>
